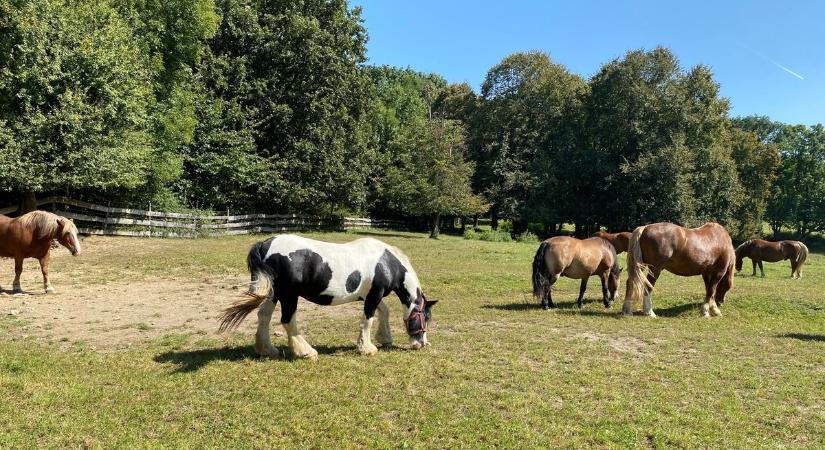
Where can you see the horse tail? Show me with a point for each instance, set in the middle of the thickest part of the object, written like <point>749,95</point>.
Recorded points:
<point>802,256</point>
<point>539,280</point>
<point>637,270</point>
<point>260,289</point>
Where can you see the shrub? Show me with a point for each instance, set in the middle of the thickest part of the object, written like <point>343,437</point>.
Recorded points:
<point>527,237</point>
<point>471,234</point>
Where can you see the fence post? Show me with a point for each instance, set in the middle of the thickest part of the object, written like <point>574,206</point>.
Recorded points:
<point>150,219</point>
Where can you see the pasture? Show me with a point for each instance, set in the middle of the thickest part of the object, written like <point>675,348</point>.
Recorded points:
<point>126,355</point>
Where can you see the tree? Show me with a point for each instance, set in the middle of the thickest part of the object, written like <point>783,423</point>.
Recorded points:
<point>434,179</point>
<point>524,115</point>
<point>756,163</point>
<point>283,79</point>
<point>644,112</point>
<point>74,99</point>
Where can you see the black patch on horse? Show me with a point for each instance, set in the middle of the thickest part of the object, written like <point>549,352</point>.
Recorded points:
<point>353,281</point>
<point>303,273</point>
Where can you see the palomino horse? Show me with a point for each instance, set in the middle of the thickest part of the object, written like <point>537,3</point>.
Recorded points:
<point>758,250</point>
<point>618,240</point>
<point>686,252</point>
<point>286,267</point>
<point>30,236</point>
<point>575,258</point>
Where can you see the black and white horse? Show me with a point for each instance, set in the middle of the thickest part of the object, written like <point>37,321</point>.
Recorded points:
<point>286,267</point>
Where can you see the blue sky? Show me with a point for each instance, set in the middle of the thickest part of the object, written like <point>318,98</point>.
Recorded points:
<point>768,56</point>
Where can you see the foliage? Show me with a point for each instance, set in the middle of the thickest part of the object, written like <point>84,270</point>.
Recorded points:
<point>75,98</point>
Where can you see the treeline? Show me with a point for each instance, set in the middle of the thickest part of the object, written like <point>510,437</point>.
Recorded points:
<point>268,106</point>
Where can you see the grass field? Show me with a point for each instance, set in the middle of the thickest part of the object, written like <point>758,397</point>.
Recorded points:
<point>500,372</point>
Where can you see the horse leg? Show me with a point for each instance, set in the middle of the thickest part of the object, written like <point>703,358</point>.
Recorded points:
<point>793,268</point>
<point>721,290</point>
<point>762,269</point>
<point>709,305</point>
<point>18,270</point>
<point>44,268</point>
<point>547,301</point>
<point>753,261</point>
<point>289,319</point>
<point>263,340</point>
<point>605,296</point>
<point>384,336</point>
<point>582,288</point>
<point>365,345</point>
<point>647,303</point>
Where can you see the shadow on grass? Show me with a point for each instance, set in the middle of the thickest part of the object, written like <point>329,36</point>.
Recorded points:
<point>675,311</point>
<point>387,234</point>
<point>193,360</point>
<point>804,336</point>
<point>514,306</point>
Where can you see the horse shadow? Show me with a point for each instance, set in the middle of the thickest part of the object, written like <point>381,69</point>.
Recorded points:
<point>561,307</point>
<point>20,293</point>
<point>804,336</point>
<point>676,310</point>
<point>193,360</point>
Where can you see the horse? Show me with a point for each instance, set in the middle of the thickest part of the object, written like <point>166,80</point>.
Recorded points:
<point>578,259</point>
<point>285,267</point>
<point>758,250</point>
<point>31,236</point>
<point>706,251</point>
<point>618,240</point>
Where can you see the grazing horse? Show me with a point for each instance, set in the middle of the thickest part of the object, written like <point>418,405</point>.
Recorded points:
<point>758,250</point>
<point>618,240</point>
<point>686,252</point>
<point>579,259</point>
<point>30,236</point>
<point>286,267</point>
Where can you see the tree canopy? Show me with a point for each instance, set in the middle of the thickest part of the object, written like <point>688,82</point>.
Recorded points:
<point>269,106</point>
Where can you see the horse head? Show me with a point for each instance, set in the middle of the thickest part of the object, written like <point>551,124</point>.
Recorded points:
<point>418,320</point>
<point>66,235</point>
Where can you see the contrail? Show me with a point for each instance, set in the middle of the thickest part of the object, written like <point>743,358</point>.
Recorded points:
<point>775,63</point>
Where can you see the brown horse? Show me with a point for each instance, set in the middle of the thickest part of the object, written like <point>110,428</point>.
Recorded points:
<point>30,236</point>
<point>686,252</point>
<point>579,259</point>
<point>618,240</point>
<point>758,250</point>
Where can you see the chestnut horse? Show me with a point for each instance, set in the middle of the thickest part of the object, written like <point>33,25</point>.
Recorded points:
<point>686,252</point>
<point>618,240</point>
<point>758,250</point>
<point>579,259</point>
<point>30,236</point>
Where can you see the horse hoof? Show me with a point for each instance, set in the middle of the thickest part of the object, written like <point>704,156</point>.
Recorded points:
<point>386,345</point>
<point>368,350</point>
<point>17,291</point>
<point>50,290</point>
<point>311,355</point>
<point>651,314</point>
<point>269,354</point>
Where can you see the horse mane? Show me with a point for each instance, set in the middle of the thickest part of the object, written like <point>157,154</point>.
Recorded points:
<point>44,224</point>
<point>742,245</point>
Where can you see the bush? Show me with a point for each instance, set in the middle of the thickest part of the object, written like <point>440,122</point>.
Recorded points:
<point>527,237</point>
<point>488,235</point>
<point>537,228</point>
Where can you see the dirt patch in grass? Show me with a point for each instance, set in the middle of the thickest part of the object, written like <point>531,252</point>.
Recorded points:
<point>119,315</point>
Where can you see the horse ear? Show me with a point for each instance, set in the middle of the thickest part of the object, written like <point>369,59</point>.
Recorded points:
<point>430,304</point>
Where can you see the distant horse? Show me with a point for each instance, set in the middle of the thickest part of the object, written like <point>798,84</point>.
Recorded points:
<point>686,252</point>
<point>758,250</point>
<point>618,240</point>
<point>579,259</point>
<point>286,267</point>
<point>30,236</point>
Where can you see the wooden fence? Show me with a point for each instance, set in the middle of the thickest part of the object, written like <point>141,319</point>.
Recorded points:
<point>105,220</point>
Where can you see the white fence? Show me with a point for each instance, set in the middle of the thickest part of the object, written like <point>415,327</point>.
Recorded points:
<point>105,220</point>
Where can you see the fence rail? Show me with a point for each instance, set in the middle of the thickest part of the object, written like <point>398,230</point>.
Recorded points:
<point>110,221</point>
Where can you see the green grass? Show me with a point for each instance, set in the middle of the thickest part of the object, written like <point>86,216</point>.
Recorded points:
<point>500,372</point>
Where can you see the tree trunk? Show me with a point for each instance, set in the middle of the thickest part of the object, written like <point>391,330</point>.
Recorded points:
<point>27,202</point>
<point>494,221</point>
<point>436,222</point>
<point>475,221</point>
<point>463,224</point>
